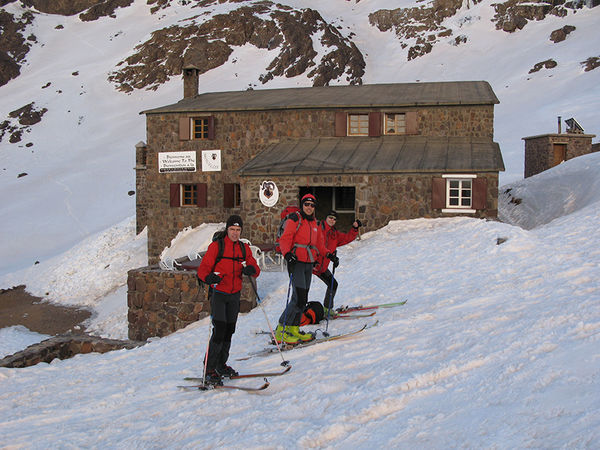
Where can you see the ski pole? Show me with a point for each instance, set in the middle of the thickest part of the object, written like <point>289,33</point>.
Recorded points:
<point>209,335</point>
<point>284,363</point>
<point>330,301</point>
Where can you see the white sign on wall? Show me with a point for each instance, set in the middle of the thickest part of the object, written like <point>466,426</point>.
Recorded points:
<point>211,160</point>
<point>176,162</point>
<point>269,194</point>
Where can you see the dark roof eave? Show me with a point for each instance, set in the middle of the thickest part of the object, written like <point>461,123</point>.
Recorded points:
<point>169,110</point>
<point>362,172</point>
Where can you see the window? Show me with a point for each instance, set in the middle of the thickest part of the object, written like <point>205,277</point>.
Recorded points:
<point>358,124</point>
<point>188,194</point>
<point>462,193</point>
<point>200,128</point>
<point>232,197</point>
<point>395,123</point>
<point>459,193</point>
<point>196,128</point>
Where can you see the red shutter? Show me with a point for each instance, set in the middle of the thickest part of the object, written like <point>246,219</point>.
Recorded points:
<point>202,195</point>
<point>341,124</point>
<point>411,122</point>
<point>174,195</point>
<point>374,124</point>
<point>438,193</point>
<point>479,193</point>
<point>228,195</point>
<point>184,128</point>
<point>211,127</point>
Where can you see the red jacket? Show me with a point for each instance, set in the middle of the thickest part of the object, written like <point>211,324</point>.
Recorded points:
<point>229,269</point>
<point>296,238</point>
<point>332,239</point>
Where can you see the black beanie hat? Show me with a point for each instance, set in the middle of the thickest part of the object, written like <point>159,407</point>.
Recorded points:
<point>234,221</point>
<point>332,213</point>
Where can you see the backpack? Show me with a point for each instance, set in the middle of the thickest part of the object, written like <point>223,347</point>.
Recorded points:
<point>219,237</point>
<point>313,313</point>
<point>285,215</point>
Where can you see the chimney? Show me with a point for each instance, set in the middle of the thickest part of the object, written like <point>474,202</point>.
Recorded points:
<point>191,81</point>
<point>559,130</point>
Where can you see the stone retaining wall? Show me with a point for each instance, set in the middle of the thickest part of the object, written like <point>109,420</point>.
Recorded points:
<point>64,347</point>
<point>161,302</point>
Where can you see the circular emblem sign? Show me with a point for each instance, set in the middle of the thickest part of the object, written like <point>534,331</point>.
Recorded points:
<point>269,194</point>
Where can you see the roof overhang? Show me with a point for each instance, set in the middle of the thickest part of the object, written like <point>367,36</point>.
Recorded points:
<point>365,155</point>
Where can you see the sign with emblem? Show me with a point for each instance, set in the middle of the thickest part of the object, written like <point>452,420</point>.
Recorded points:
<point>211,160</point>
<point>268,194</point>
<point>176,162</point>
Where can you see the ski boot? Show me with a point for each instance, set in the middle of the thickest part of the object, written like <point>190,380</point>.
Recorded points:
<point>301,335</point>
<point>226,371</point>
<point>213,378</point>
<point>285,337</point>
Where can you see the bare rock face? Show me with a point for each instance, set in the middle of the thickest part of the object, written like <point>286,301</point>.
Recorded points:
<point>591,63</point>
<point>208,44</point>
<point>13,44</point>
<point>20,120</point>
<point>419,24</point>
<point>561,34</point>
<point>513,15</point>
<point>548,64</point>
<point>61,7</point>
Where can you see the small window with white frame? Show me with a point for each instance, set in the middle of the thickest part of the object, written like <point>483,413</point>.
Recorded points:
<point>358,124</point>
<point>459,193</point>
<point>395,123</point>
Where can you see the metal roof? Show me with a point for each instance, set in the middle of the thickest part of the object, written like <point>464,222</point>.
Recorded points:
<point>388,154</point>
<point>364,96</point>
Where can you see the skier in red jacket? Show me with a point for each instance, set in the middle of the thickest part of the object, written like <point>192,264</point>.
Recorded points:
<point>332,239</point>
<point>301,244</point>
<point>224,275</point>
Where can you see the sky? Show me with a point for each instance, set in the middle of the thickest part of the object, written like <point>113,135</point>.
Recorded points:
<point>497,345</point>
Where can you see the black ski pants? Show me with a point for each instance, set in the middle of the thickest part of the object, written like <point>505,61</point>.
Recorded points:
<point>224,312</point>
<point>327,277</point>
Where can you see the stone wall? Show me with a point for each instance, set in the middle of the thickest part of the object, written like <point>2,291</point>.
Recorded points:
<point>162,301</point>
<point>379,199</point>
<point>539,150</point>
<point>242,135</point>
<point>64,347</point>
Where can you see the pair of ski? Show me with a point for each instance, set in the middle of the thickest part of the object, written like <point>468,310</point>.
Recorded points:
<point>209,387</point>
<point>286,347</point>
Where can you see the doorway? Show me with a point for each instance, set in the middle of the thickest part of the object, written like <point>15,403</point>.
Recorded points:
<point>340,198</point>
<point>560,154</point>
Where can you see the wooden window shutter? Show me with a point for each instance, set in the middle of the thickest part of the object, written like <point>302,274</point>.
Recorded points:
<point>202,195</point>
<point>184,128</point>
<point>341,123</point>
<point>411,122</point>
<point>438,193</point>
<point>174,195</point>
<point>228,195</point>
<point>211,127</point>
<point>479,193</point>
<point>374,124</point>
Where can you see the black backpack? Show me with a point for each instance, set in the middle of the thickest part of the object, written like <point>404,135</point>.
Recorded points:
<point>219,237</point>
<point>313,313</point>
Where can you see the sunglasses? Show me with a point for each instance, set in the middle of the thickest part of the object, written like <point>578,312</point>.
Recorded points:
<point>312,205</point>
<point>332,217</point>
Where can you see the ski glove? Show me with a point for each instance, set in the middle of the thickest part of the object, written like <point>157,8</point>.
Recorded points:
<point>212,278</point>
<point>333,258</point>
<point>249,270</point>
<point>290,258</point>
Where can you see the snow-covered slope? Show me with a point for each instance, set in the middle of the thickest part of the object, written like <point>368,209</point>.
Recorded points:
<point>498,346</point>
